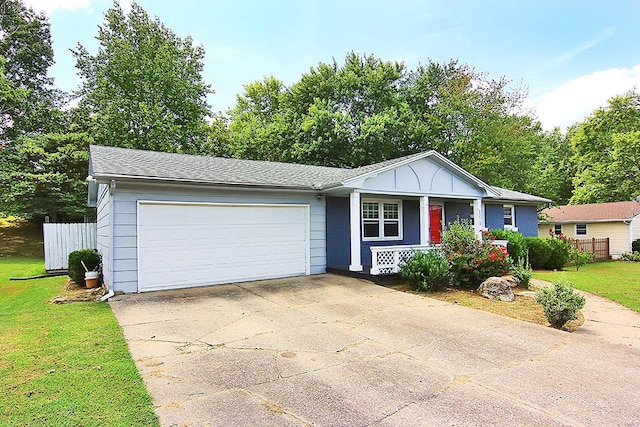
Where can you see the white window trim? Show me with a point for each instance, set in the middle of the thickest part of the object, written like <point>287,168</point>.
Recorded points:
<point>586,229</point>
<point>513,226</point>
<point>554,229</point>
<point>381,237</point>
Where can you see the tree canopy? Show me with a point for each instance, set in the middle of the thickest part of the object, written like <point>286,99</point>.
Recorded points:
<point>144,85</point>
<point>368,110</point>
<point>27,97</point>
<point>606,149</point>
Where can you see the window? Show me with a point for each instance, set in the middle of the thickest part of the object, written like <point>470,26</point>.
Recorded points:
<point>557,229</point>
<point>381,220</point>
<point>471,214</point>
<point>581,229</point>
<point>508,216</point>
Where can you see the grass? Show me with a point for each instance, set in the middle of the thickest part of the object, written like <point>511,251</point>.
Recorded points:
<point>63,365</point>
<point>20,238</point>
<point>615,280</point>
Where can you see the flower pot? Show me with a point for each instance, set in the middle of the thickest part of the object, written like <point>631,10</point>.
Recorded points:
<point>91,279</point>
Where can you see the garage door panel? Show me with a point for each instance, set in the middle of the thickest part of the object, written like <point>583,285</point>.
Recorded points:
<point>184,245</point>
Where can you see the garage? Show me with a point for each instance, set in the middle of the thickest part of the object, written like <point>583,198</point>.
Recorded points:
<point>183,245</point>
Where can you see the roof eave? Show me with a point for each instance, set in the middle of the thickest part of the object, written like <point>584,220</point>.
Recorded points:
<point>151,179</point>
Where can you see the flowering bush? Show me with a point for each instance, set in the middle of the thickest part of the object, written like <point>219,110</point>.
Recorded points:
<point>472,261</point>
<point>517,247</point>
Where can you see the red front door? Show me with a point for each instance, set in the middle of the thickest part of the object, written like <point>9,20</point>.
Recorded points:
<point>435,223</point>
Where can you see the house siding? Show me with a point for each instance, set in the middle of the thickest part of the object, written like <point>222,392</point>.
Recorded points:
<point>103,231</point>
<point>617,232</point>
<point>494,216</point>
<point>126,196</point>
<point>338,232</point>
<point>527,220</point>
<point>455,210</point>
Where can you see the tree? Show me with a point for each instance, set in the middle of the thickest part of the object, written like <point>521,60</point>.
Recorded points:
<point>606,152</point>
<point>144,85</point>
<point>26,93</point>
<point>45,175</point>
<point>368,110</point>
<point>553,168</point>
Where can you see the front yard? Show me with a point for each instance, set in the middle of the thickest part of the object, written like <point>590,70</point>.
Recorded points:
<point>617,281</point>
<point>63,365</point>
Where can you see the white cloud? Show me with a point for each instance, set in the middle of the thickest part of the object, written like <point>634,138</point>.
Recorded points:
<point>49,6</point>
<point>574,100</point>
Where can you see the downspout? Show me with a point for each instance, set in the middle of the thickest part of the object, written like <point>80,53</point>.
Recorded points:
<point>112,189</point>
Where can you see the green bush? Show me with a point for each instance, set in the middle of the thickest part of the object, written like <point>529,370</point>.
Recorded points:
<point>91,259</point>
<point>522,271</point>
<point>426,271</point>
<point>633,256</point>
<point>472,261</point>
<point>559,253</point>
<point>635,246</point>
<point>547,253</point>
<point>539,252</point>
<point>578,259</point>
<point>560,303</point>
<point>516,247</point>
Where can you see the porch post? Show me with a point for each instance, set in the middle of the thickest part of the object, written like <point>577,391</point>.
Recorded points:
<point>424,220</point>
<point>478,217</point>
<point>354,225</point>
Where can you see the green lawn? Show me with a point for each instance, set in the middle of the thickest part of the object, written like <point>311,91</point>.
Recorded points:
<point>63,365</point>
<point>618,281</point>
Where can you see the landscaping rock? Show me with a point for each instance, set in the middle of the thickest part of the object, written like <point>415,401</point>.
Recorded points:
<point>496,288</point>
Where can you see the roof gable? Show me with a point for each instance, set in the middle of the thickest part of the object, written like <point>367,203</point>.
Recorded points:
<point>421,173</point>
<point>596,212</point>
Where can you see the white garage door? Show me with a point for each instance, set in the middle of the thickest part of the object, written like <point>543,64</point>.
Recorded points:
<point>184,245</point>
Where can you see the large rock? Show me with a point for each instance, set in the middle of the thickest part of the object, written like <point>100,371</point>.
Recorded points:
<point>496,288</point>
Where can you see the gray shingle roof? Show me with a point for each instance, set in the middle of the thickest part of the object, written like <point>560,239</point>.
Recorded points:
<point>505,194</point>
<point>113,162</point>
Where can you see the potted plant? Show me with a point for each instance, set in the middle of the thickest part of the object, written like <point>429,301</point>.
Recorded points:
<point>84,267</point>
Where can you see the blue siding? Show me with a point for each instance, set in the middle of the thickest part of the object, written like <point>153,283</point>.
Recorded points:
<point>338,232</point>
<point>494,216</point>
<point>453,211</point>
<point>410,231</point>
<point>527,220</point>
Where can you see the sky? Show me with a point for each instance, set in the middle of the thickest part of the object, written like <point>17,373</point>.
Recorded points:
<point>571,55</point>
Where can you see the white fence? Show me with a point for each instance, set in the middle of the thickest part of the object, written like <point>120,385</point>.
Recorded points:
<point>62,239</point>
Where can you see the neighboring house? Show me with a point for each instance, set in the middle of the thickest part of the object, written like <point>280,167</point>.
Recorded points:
<point>171,220</point>
<point>619,221</point>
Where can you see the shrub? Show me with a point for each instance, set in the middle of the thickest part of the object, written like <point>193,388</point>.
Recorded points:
<point>91,259</point>
<point>559,253</point>
<point>522,271</point>
<point>635,246</point>
<point>539,252</point>
<point>472,261</point>
<point>578,259</point>
<point>426,271</point>
<point>516,247</point>
<point>633,256</point>
<point>560,303</point>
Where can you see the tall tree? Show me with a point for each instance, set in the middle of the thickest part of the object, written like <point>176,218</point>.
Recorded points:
<point>606,152</point>
<point>144,85</point>
<point>45,175</point>
<point>26,93</point>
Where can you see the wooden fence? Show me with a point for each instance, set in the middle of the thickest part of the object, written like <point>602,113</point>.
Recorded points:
<point>62,239</point>
<point>599,247</point>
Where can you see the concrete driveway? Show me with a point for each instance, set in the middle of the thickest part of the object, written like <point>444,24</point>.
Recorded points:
<point>335,351</point>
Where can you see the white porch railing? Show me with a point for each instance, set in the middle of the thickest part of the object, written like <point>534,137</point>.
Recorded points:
<point>387,259</point>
